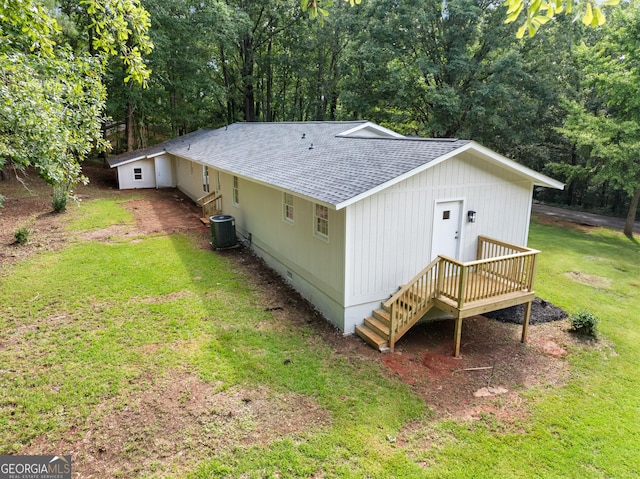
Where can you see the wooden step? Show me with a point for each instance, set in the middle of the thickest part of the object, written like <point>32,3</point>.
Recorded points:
<point>372,338</point>
<point>383,316</point>
<point>379,327</point>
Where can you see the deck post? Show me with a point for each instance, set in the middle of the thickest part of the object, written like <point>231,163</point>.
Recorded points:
<point>525,321</point>
<point>393,319</point>
<point>457,335</point>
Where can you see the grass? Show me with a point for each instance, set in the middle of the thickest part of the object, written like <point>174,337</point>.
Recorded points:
<point>76,328</point>
<point>100,213</point>
<point>80,333</point>
<point>588,428</point>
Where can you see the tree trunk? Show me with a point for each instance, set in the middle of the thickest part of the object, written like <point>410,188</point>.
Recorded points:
<point>248,80</point>
<point>268,112</point>
<point>129,127</point>
<point>631,214</point>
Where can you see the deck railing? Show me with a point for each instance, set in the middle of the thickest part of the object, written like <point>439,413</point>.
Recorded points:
<point>211,204</point>
<point>501,268</point>
<point>412,300</point>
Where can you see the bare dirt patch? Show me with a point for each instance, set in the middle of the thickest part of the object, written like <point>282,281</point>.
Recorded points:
<point>557,221</point>
<point>159,212</point>
<point>28,204</point>
<point>166,211</point>
<point>175,422</point>
<point>589,279</point>
<point>492,370</point>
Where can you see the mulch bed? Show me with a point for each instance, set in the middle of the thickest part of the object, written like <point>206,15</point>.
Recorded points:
<point>541,312</point>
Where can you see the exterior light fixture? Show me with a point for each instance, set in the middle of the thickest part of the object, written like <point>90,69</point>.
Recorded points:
<point>471,216</point>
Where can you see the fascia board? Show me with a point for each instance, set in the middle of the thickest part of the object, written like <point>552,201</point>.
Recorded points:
<point>538,179</point>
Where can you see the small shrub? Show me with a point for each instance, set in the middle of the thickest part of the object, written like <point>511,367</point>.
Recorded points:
<point>585,322</point>
<point>23,235</point>
<point>60,199</point>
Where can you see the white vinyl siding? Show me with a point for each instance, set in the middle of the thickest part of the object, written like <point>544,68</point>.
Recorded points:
<point>137,174</point>
<point>316,267</point>
<point>187,180</point>
<point>390,232</point>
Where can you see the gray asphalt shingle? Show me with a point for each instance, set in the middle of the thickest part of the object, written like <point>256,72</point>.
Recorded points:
<point>335,170</point>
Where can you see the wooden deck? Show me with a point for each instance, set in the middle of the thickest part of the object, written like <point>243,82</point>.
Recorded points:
<point>501,277</point>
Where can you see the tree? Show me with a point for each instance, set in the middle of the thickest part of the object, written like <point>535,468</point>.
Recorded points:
<point>50,113</point>
<point>535,12</point>
<point>605,125</point>
<point>612,149</point>
<point>538,12</point>
<point>52,96</point>
<point>453,73</point>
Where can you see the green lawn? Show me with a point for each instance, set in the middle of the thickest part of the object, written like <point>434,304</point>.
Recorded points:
<point>98,323</point>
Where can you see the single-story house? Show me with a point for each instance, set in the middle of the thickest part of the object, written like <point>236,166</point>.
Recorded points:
<point>345,211</point>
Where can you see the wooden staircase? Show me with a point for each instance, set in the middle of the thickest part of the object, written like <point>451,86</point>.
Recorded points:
<point>376,329</point>
<point>211,205</point>
<point>501,277</point>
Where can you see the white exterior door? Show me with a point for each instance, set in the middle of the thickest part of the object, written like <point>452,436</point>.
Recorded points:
<point>164,172</point>
<point>447,227</point>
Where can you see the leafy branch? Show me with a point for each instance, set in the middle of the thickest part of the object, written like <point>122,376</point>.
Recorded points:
<point>539,12</point>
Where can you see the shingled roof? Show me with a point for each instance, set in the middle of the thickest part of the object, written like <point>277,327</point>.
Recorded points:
<point>311,159</point>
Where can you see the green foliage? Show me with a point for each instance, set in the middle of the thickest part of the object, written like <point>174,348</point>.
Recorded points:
<point>52,95</point>
<point>319,9</point>
<point>121,29</point>
<point>50,112</point>
<point>22,235</point>
<point>535,12</point>
<point>539,12</point>
<point>604,121</point>
<point>60,199</point>
<point>585,322</point>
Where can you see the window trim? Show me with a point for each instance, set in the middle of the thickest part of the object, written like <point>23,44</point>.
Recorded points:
<point>318,220</point>
<point>288,209</point>
<point>137,171</point>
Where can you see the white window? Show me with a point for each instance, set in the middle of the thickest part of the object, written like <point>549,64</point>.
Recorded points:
<point>137,174</point>
<point>288,208</point>
<point>321,222</point>
<point>236,192</point>
<point>205,179</point>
